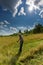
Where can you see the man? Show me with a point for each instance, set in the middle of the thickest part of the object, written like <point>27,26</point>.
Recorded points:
<point>21,41</point>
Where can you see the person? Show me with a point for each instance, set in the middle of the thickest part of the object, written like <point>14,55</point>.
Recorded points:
<point>21,42</point>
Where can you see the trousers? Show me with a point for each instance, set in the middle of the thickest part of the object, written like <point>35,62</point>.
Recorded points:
<point>21,45</point>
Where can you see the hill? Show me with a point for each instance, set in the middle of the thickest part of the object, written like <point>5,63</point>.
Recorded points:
<point>32,52</point>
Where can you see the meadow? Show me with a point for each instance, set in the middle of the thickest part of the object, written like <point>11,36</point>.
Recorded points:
<point>32,51</point>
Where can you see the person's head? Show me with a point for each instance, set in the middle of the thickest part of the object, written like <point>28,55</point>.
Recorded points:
<point>19,31</point>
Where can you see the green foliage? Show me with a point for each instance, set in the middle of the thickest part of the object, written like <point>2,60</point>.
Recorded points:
<point>38,28</point>
<point>26,31</point>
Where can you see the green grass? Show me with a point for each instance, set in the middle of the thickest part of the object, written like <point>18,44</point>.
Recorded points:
<point>9,50</point>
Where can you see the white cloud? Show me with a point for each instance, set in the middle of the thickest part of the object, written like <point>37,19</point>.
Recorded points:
<point>6,22</point>
<point>4,25</point>
<point>13,30</point>
<point>1,27</point>
<point>31,3</point>
<point>3,32</point>
<point>1,23</point>
<point>35,5</point>
<point>4,9</point>
<point>22,28</point>
<point>10,5</point>
<point>40,3</point>
<point>14,14</point>
<point>15,8</point>
<point>41,13</point>
<point>13,5</point>
<point>31,27</point>
<point>21,12</point>
<point>18,3</point>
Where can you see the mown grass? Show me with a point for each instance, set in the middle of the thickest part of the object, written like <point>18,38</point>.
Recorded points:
<point>9,50</point>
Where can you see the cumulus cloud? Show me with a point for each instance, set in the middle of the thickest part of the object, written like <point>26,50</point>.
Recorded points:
<point>4,9</point>
<point>13,29</point>
<point>1,23</point>
<point>21,12</point>
<point>3,32</point>
<point>4,25</point>
<point>10,5</point>
<point>31,27</point>
<point>41,13</point>
<point>33,3</point>
<point>13,5</point>
<point>40,3</point>
<point>15,12</point>
<point>8,31</point>
<point>15,8</point>
<point>22,28</point>
<point>4,22</point>
<point>36,2</point>
<point>36,5</point>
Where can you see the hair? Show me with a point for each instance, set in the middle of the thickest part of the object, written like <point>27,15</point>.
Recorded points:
<point>19,31</point>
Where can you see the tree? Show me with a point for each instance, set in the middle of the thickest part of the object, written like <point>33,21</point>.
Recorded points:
<point>38,28</point>
<point>26,31</point>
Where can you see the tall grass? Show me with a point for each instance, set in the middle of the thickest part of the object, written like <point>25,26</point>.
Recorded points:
<point>31,53</point>
<point>9,47</point>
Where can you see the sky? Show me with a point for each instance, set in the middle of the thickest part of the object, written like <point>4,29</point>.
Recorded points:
<point>18,15</point>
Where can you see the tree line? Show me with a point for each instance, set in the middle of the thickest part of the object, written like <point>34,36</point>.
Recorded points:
<point>37,29</point>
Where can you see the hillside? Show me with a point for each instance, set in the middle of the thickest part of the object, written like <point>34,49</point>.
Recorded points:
<point>32,53</point>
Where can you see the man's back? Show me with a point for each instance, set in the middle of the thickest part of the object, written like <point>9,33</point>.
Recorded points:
<point>20,38</point>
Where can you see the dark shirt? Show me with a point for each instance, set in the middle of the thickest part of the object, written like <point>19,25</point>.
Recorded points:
<point>21,38</point>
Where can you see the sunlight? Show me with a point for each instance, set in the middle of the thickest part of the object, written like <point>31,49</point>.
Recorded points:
<point>31,8</point>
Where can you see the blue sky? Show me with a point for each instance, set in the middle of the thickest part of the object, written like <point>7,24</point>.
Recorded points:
<point>19,14</point>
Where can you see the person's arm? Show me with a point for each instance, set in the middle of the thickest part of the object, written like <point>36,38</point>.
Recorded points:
<point>18,40</point>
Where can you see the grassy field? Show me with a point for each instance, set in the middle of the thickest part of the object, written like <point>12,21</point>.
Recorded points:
<point>32,52</point>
